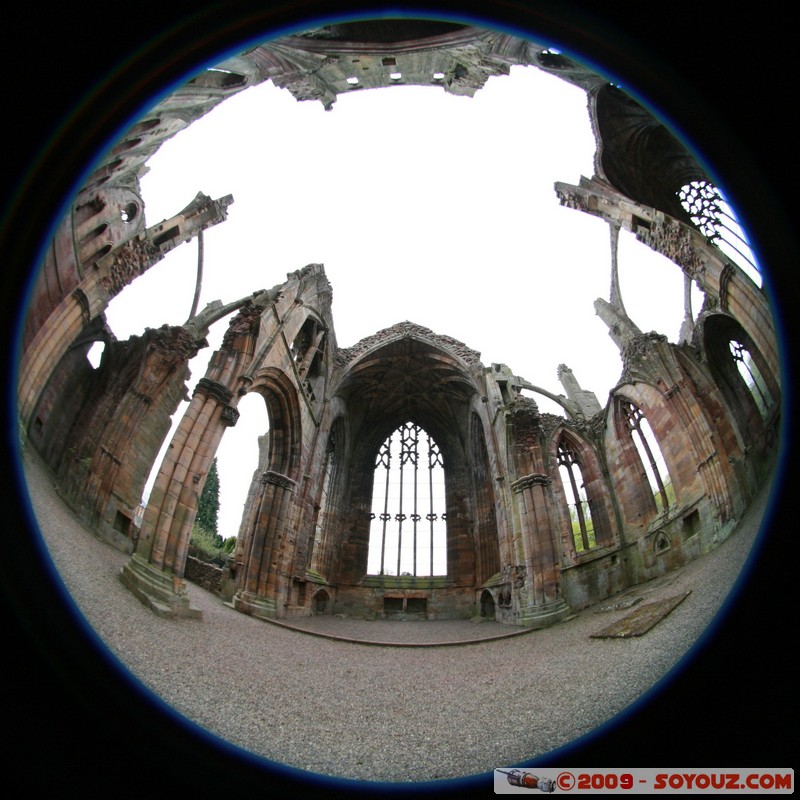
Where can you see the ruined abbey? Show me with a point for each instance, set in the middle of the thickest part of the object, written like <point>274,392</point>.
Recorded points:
<point>539,514</point>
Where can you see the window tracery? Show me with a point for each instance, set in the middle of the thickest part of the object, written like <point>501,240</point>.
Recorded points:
<point>650,454</point>
<point>408,519</point>
<point>578,504</point>
<point>715,219</point>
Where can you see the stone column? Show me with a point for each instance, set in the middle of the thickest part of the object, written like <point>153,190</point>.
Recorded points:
<point>264,578</point>
<point>122,426</point>
<point>537,582</point>
<point>155,571</point>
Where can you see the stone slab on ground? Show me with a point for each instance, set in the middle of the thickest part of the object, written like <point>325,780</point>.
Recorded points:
<point>639,622</point>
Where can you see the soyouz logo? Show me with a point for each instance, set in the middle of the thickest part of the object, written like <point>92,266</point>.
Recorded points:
<point>645,781</point>
<point>528,780</point>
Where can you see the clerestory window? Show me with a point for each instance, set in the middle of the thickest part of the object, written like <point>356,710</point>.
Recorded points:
<point>408,533</point>
<point>650,455</point>
<point>751,375</point>
<point>580,512</point>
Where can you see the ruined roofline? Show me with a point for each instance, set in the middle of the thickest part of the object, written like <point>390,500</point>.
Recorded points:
<point>463,36</point>
<point>408,330</point>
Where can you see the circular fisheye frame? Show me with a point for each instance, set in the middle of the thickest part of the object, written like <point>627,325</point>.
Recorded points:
<point>394,398</point>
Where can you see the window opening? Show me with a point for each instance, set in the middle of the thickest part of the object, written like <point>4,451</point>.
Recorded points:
<point>128,212</point>
<point>751,375</point>
<point>715,219</point>
<point>650,454</point>
<point>95,354</point>
<point>408,529</point>
<point>580,513</point>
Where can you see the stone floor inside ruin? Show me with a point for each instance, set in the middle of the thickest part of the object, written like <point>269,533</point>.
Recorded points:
<point>386,713</point>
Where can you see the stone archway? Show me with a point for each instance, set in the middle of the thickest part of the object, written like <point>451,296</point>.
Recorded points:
<point>264,553</point>
<point>320,602</point>
<point>253,357</point>
<point>408,378</point>
<point>488,607</point>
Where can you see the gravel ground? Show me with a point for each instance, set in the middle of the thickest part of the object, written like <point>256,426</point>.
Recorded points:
<point>335,707</point>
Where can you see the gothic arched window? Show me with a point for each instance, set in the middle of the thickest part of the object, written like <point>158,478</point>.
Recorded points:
<point>408,533</point>
<point>751,375</point>
<point>650,454</point>
<point>580,513</point>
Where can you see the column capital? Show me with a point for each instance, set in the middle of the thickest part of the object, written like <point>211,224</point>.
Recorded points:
<point>214,389</point>
<point>526,482</point>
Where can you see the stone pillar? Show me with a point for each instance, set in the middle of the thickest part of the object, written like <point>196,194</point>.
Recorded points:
<point>155,571</point>
<point>537,582</point>
<point>687,326</point>
<point>122,426</point>
<point>586,401</point>
<point>264,573</point>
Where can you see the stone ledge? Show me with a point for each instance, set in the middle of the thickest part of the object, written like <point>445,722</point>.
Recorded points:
<point>156,590</point>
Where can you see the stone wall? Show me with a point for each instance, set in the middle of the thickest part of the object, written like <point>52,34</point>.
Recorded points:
<point>207,576</point>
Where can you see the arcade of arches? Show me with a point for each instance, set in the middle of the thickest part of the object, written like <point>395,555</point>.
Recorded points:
<point>534,514</point>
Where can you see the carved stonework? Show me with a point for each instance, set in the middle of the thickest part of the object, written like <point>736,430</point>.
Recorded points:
<point>593,427</point>
<point>279,480</point>
<point>410,329</point>
<point>724,280</point>
<point>549,422</point>
<point>675,240</point>
<point>83,302</point>
<point>173,341</point>
<point>472,71</point>
<point>229,416</point>
<point>245,323</point>
<point>528,481</point>
<point>635,351</point>
<point>514,574</point>
<point>128,262</point>
<point>523,414</point>
<point>578,201</point>
<point>212,211</point>
<point>214,389</point>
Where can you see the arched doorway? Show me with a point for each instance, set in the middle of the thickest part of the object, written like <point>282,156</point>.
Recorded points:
<point>487,604</point>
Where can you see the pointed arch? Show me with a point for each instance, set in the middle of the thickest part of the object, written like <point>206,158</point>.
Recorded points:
<point>408,520</point>
<point>283,410</point>
<point>264,575</point>
<point>746,382</point>
<point>633,427</point>
<point>578,505</point>
<point>584,494</point>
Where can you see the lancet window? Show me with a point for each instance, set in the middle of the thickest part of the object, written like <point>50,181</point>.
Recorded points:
<point>580,512</point>
<point>751,375</point>
<point>408,533</point>
<point>650,454</point>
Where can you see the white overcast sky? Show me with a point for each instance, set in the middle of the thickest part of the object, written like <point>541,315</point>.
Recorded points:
<point>423,207</point>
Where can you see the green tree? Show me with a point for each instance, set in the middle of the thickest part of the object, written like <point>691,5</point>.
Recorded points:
<point>208,508</point>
